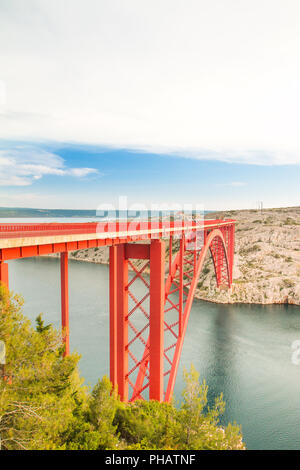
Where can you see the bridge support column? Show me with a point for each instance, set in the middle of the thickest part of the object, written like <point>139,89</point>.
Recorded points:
<point>157,302</point>
<point>120,328</point>
<point>231,251</point>
<point>170,253</point>
<point>4,273</point>
<point>180,306</point>
<point>113,314</point>
<point>118,317</point>
<point>65,301</point>
<point>220,257</point>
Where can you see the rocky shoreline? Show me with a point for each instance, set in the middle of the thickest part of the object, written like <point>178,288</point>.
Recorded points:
<point>267,259</point>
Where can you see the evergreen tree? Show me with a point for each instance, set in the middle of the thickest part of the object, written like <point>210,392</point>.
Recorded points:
<point>148,425</point>
<point>42,388</point>
<point>40,327</point>
<point>200,425</point>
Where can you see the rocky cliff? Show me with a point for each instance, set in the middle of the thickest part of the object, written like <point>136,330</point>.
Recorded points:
<point>267,259</point>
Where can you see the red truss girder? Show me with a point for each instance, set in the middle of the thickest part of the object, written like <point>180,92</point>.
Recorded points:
<point>155,318</point>
<point>136,321</point>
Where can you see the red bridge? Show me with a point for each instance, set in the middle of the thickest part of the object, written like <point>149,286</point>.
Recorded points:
<point>155,320</point>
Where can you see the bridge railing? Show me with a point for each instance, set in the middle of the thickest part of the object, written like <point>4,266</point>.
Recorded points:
<point>10,230</point>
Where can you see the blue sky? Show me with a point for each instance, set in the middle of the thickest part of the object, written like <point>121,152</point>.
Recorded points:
<point>145,178</point>
<point>157,101</point>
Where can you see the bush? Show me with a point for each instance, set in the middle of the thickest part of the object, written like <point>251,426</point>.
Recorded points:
<point>289,221</point>
<point>249,250</point>
<point>288,283</point>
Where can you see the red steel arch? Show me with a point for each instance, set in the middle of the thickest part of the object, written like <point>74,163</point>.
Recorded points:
<point>214,243</point>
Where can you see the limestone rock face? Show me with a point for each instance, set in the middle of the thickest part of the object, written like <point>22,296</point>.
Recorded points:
<point>267,259</point>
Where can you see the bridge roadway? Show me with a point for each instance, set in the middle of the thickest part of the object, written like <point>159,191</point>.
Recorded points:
<point>40,239</point>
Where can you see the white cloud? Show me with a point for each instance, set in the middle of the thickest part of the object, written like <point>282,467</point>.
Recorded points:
<point>208,80</point>
<point>81,172</point>
<point>21,165</point>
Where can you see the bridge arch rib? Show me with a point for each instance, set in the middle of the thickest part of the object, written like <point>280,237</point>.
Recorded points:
<point>218,251</point>
<point>171,319</point>
<point>215,244</point>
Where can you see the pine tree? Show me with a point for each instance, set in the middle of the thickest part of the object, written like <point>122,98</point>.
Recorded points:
<point>40,327</point>
<point>36,402</point>
<point>200,425</point>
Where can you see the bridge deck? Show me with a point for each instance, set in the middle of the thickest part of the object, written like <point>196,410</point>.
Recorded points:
<point>23,240</point>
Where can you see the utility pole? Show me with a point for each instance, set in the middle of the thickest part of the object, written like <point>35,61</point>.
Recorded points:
<point>260,206</point>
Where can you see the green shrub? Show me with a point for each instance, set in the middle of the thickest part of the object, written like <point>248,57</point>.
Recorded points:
<point>249,250</point>
<point>289,221</point>
<point>288,283</point>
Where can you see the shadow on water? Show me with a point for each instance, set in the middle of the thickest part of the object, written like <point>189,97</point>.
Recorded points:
<point>220,375</point>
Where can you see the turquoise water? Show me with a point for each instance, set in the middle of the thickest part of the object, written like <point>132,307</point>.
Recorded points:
<point>243,351</point>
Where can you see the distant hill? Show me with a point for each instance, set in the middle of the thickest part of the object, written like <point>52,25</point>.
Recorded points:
<point>20,212</point>
<point>28,212</point>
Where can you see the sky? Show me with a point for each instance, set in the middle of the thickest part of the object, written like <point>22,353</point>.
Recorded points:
<point>169,102</point>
